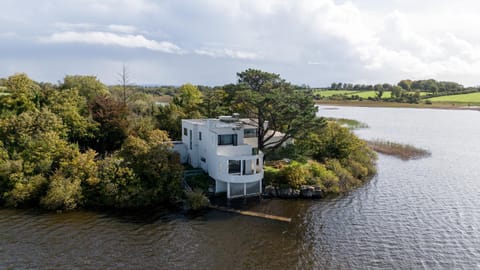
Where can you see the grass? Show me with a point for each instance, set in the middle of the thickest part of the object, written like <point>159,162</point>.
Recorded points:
<point>349,123</point>
<point>367,94</point>
<point>329,93</point>
<point>362,94</point>
<point>472,98</point>
<point>402,151</point>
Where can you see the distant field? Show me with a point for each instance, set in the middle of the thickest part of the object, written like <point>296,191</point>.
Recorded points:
<point>329,93</point>
<point>463,98</point>
<point>362,94</point>
<point>386,94</point>
<point>367,94</point>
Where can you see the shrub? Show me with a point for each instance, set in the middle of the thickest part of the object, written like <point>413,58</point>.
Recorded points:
<point>196,200</point>
<point>345,179</point>
<point>296,174</point>
<point>63,193</point>
<point>272,176</point>
<point>26,190</point>
<point>323,177</point>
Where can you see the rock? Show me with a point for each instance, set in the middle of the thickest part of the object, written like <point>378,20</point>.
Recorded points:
<point>317,193</point>
<point>270,191</point>
<point>307,191</point>
<point>285,192</point>
<point>296,193</point>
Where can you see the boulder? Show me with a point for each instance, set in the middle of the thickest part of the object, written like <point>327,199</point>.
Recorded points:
<point>317,193</point>
<point>270,191</point>
<point>285,192</point>
<point>307,191</point>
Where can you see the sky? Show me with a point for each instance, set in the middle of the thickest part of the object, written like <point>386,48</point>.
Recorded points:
<point>172,42</point>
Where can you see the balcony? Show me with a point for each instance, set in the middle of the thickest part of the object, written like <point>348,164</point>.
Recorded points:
<point>238,169</point>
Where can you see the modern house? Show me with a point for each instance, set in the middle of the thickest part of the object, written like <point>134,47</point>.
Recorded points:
<point>226,149</point>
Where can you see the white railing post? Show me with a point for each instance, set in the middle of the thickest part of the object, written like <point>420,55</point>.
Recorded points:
<point>228,190</point>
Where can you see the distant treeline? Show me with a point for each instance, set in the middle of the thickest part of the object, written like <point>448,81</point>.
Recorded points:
<point>430,85</point>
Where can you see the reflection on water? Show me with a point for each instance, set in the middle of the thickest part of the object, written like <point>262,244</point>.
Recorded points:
<point>421,214</point>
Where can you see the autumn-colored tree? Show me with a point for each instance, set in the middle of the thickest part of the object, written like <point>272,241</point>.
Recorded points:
<point>111,116</point>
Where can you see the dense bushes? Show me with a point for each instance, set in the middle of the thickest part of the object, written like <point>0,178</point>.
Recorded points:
<point>339,161</point>
<point>47,134</point>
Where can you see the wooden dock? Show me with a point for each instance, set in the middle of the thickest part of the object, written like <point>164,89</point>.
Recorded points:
<point>250,213</point>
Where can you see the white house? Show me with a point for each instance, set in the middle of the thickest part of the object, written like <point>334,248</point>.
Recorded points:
<point>226,149</point>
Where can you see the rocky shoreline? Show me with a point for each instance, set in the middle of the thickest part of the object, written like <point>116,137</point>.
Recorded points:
<point>305,191</point>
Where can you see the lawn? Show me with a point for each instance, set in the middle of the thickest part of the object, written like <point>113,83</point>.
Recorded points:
<point>386,94</point>
<point>329,93</point>
<point>367,94</point>
<point>362,94</point>
<point>473,98</point>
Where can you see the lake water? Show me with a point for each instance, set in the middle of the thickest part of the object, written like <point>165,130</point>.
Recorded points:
<point>419,214</point>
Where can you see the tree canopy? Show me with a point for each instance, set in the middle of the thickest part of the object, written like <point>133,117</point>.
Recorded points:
<point>274,105</point>
<point>65,146</point>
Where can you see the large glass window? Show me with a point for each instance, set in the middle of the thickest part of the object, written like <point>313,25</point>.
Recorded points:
<point>250,133</point>
<point>229,139</point>
<point>234,166</point>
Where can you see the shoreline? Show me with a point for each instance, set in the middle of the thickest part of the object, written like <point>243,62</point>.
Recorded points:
<point>396,105</point>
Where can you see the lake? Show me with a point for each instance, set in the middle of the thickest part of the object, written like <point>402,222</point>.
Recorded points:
<point>418,214</point>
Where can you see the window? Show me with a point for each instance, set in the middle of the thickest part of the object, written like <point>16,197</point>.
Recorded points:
<point>254,151</point>
<point>230,139</point>
<point>190,139</point>
<point>203,159</point>
<point>199,135</point>
<point>250,133</point>
<point>185,131</point>
<point>234,166</point>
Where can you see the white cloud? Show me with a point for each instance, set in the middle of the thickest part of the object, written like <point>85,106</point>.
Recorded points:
<point>65,26</point>
<point>227,53</point>
<point>122,28</point>
<point>106,38</point>
<point>307,41</point>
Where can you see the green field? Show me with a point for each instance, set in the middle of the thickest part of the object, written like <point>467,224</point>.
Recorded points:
<point>367,94</point>
<point>329,93</point>
<point>362,94</point>
<point>473,98</point>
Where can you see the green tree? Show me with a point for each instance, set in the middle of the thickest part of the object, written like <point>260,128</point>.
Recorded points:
<point>397,92</point>
<point>70,184</point>
<point>18,130</point>
<point>87,86</point>
<point>73,110</point>
<point>184,106</point>
<point>405,84</point>
<point>189,99</point>
<point>214,102</point>
<point>157,166</point>
<point>169,118</point>
<point>273,105</point>
<point>24,95</point>
<point>379,90</point>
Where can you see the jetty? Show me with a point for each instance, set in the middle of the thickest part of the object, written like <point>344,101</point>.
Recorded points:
<point>250,213</point>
